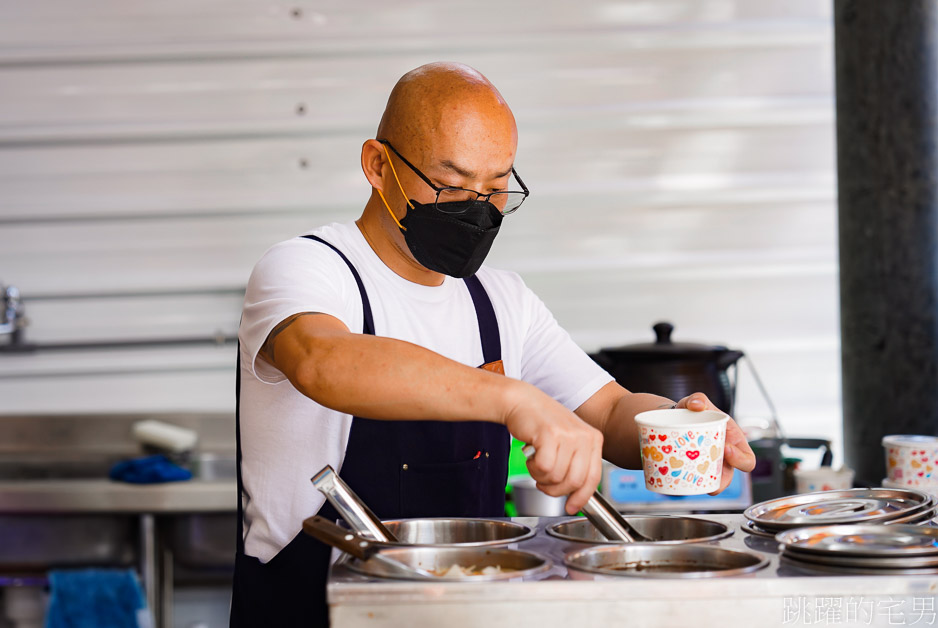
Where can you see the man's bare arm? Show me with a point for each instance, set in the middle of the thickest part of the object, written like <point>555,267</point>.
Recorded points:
<point>612,411</point>
<point>384,378</point>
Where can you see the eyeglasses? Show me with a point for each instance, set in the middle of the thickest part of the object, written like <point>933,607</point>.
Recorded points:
<point>506,202</point>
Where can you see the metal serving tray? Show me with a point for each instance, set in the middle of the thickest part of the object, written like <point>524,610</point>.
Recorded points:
<point>863,540</point>
<point>854,506</point>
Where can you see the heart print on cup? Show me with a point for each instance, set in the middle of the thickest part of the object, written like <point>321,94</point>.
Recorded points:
<point>682,450</point>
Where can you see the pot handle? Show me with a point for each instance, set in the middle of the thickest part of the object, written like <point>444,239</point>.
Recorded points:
<point>728,358</point>
<point>329,533</point>
<point>813,443</point>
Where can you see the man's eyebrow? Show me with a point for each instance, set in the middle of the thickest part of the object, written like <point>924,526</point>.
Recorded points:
<point>469,174</point>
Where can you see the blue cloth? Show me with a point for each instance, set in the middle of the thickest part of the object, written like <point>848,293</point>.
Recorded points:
<point>96,598</point>
<point>149,470</point>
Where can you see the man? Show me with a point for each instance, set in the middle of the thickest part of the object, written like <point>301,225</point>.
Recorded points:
<point>382,347</point>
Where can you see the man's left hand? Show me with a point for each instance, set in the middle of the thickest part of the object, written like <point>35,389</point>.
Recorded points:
<point>737,453</point>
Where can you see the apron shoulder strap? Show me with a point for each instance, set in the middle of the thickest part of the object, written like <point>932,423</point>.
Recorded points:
<point>240,486</point>
<point>488,323</point>
<point>368,326</point>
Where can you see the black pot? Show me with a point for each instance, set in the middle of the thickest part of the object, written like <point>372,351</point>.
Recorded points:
<point>673,370</point>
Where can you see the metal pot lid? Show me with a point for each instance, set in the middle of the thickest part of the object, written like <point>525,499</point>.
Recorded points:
<point>750,528</point>
<point>859,505</point>
<point>863,540</point>
<point>663,346</point>
<point>661,530</point>
<point>916,518</point>
<point>817,567</point>
<point>868,562</point>
<point>649,560</point>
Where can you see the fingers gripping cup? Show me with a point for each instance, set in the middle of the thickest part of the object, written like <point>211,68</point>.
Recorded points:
<point>682,450</point>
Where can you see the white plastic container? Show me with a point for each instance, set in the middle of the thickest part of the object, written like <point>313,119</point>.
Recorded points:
<point>911,460</point>
<point>823,479</point>
<point>165,436</point>
<point>531,502</point>
<point>931,489</point>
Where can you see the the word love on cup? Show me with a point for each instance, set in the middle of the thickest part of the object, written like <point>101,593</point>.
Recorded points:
<point>682,450</point>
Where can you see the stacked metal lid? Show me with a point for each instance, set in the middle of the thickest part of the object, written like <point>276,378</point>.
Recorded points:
<point>878,530</point>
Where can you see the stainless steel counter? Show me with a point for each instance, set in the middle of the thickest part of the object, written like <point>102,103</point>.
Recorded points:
<point>106,496</point>
<point>777,595</point>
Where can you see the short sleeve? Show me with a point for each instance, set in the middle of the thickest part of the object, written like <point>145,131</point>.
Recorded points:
<point>553,362</point>
<point>296,276</point>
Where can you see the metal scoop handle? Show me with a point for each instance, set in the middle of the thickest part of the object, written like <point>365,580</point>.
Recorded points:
<point>359,517</point>
<point>359,547</point>
<point>603,516</point>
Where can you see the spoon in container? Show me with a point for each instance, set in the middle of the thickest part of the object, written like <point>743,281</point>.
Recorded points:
<point>603,515</point>
<point>352,509</point>
<point>361,548</point>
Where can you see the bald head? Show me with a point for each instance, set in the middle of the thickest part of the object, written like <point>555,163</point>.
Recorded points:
<point>440,110</point>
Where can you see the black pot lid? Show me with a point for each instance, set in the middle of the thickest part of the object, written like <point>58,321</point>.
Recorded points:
<point>663,346</point>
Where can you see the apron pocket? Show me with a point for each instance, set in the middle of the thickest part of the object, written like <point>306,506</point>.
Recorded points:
<point>450,489</point>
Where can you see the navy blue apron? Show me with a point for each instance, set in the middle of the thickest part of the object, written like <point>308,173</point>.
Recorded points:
<point>399,468</point>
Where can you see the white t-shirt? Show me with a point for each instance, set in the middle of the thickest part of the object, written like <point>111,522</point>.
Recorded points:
<point>286,438</point>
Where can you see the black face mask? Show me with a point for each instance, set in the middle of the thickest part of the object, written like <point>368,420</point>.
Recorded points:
<point>454,243</point>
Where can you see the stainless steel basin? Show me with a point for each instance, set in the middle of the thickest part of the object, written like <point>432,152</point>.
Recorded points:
<point>206,540</point>
<point>213,466</point>
<point>38,468</point>
<point>40,542</point>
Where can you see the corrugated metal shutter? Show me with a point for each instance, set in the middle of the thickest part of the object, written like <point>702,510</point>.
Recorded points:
<point>680,154</point>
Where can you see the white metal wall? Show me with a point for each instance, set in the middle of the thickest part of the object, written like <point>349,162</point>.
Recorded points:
<point>680,155</point>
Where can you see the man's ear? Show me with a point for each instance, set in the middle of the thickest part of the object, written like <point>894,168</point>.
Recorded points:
<point>373,161</point>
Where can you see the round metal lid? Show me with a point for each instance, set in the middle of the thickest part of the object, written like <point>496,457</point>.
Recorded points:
<point>863,540</point>
<point>862,505</point>
<point>750,528</point>
<point>853,570</point>
<point>870,562</point>
<point>919,517</point>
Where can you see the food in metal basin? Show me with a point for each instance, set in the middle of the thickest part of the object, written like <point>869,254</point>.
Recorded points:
<point>458,571</point>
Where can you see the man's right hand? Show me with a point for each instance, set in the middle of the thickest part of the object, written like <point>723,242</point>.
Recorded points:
<point>568,451</point>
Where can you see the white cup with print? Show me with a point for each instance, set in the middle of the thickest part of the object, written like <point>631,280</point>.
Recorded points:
<point>911,460</point>
<point>682,450</point>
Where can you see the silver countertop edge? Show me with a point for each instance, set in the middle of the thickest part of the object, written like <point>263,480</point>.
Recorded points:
<point>106,496</point>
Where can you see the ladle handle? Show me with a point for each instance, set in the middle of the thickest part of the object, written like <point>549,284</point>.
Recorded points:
<point>603,515</point>
<point>329,533</point>
<point>350,507</point>
<point>361,548</point>
<point>607,520</point>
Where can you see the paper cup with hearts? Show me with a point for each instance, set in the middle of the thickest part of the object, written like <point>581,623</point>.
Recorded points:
<point>911,460</point>
<point>682,450</point>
